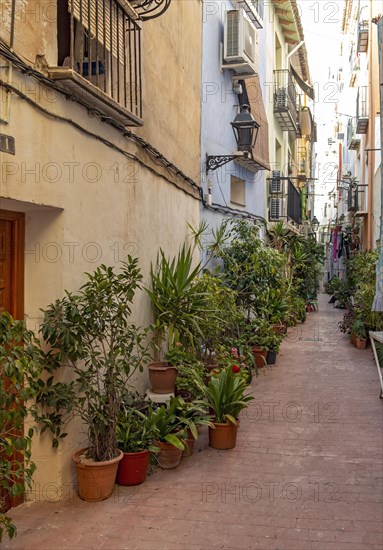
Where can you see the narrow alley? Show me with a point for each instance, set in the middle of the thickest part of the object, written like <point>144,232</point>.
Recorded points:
<point>306,472</point>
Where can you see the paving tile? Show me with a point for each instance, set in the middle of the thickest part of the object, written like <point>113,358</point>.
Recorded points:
<point>306,472</point>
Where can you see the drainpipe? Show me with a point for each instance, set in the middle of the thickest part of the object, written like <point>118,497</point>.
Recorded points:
<point>371,138</point>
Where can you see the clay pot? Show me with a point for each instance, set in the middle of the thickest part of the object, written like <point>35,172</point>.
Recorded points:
<point>133,468</point>
<point>169,456</point>
<point>189,447</point>
<point>278,328</point>
<point>223,436</point>
<point>259,356</point>
<point>271,358</point>
<point>361,344</point>
<point>95,480</point>
<point>162,377</point>
<point>353,339</point>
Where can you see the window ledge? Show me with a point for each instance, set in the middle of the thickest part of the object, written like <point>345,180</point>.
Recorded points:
<point>93,97</point>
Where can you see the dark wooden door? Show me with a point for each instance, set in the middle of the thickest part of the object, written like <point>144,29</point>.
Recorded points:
<point>11,288</point>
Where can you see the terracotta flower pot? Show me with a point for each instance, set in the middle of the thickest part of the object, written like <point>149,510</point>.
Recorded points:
<point>189,445</point>
<point>95,480</point>
<point>361,344</point>
<point>223,436</point>
<point>162,377</point>
<point>133,468</point>
<point>169,456</point>
<point>278,328</point>
<point>259,356</point>
<point>353,338</point>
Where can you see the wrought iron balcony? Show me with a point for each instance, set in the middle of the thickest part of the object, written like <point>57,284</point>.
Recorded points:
<point>352,200</point>
<point>353,142</point>
<point>362,110</point>
<point>285,200</point>
<point>363,30</point>
<point>99,54</point>
<point>254,10</point>
<point>287,106</point>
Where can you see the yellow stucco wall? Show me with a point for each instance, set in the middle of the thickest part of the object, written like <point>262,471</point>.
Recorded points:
<point>86,203</point>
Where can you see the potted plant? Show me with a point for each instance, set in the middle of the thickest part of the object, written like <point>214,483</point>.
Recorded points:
<point>20,369</point>
<point>225,396</point>
<point>192,416</point>
<point>136,434</point>
<point>359,330</point>
<point>91,337</point>
<point>178,297</point>
<point>187,365</point>
<point>171,433</point>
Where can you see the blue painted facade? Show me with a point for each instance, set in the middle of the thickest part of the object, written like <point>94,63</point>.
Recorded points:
<point>219,108</point>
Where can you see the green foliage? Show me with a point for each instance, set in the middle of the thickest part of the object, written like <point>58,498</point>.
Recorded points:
<point>94,344</point>
<point>359,329</point>
<point>225,395</point>
<point>169,424</point>
<point>334,285</point>
<point>20,370</point>
<point>178,297</point>
<point>187,366</point>
<point>136,429</point>
<point>307,257</point>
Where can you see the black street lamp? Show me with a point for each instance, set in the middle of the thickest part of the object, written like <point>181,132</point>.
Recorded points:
<point>245,129</point>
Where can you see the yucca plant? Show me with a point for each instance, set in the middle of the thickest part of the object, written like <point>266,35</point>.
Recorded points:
<point>178,297</point>
<point>225,395</point>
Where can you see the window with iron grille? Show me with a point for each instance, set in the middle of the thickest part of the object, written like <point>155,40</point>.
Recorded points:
<point>100,41</point>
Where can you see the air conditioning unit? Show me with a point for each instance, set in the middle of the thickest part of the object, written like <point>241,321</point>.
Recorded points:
<point>276,185</point>
<point>276,209</point>
<point>241,49</point>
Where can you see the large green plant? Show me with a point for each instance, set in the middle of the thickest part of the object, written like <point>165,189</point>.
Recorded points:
<point>178,297</point>
<point>225,395</point>
<point>94,344</point>
<point>20,369</point>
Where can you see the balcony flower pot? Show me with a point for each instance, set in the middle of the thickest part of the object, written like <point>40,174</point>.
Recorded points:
<point>95,480</point>
<point>223,436</point>
<point>162,377</point>
<point>133,468</point>
<point>259,356</point>
<point>169,456</point>
<point>361,343</point>
<point>353,338</point>
<point>271,358</point>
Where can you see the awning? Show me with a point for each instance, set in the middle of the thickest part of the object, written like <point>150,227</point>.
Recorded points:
<point>260,152</point>
<point>306,88</point>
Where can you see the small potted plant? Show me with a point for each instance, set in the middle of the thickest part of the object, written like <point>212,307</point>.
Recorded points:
<point>171,433</point>
<point>91,336</point>
<point>136,434</point>
<point>225,396</point>
<point>359,330</point>
<point>192,416</point>
<point>187,365</point>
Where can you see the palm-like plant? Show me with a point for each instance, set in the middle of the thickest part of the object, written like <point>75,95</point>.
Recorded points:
<point>178,297</point>
<point>225,395</point>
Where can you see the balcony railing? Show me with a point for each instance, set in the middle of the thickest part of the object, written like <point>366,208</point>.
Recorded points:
<point>352,200</point>
<point>287,106</point>
<point>362,110</point>
<point>254,10</point>
<point>363,29</point>
<point>99,57</point>
<point>285,200</point>
<point>353,142</point>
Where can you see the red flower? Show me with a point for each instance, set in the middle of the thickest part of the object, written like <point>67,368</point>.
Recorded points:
<point>235,368</point>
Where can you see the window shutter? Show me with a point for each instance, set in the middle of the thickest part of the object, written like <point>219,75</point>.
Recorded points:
<point>97,17</point>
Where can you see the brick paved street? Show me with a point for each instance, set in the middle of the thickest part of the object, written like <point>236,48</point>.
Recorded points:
<point>306,473</point>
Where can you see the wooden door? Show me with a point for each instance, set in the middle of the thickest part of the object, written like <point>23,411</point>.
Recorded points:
<point>11,287</point>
